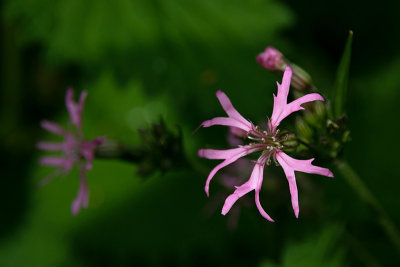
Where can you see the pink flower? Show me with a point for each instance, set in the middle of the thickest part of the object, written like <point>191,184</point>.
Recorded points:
<point>75,149</point>
<point>269,142</point>
<point>271,59</point>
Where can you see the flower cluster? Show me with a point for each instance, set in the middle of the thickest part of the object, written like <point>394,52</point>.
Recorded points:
<point>75,149</point>
<point>269,142</point>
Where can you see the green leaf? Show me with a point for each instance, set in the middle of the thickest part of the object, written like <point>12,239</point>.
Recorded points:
<point>87,32</point>
<point>342,77</point>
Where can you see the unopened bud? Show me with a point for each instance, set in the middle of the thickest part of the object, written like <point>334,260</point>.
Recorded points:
<point>301,80</point>
<point>272,59</point>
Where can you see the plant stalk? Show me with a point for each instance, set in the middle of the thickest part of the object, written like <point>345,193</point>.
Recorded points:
<point>356,183</point>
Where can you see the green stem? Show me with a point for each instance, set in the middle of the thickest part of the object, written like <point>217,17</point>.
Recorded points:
<point>112,149</point>
<point>366,195</point>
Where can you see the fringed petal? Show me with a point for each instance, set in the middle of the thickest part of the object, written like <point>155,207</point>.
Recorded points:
<point>60,162</point>
<point>281,108</point>
<point>230,110</point>
<point>82,199</point>
<point>226,122</point>
<point>303,165</point>
<point>260,208</point>
<point>232,198</point>
<point>230,156</point>
<point>234,118</point>
<point>254,183</point>
<point>221,154</point>
<point>50,146</point>
<point>75,109</point>
<point>52,127</point>
<point>290,165</point>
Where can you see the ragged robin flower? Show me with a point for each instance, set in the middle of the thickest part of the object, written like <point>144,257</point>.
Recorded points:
<point>75,149</point>
<point>270,142</point>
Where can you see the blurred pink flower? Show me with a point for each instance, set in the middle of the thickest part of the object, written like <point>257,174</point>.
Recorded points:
<point>271,59</point>
<point>269,142</point>
<point>75,149</point>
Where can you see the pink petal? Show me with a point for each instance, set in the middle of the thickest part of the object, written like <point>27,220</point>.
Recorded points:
<point>290,165</point>
<point>234,119</point>
<point>82,198</point>
<point>75,110</point>
<point>281,108</point>
<point>230,110</point>
<point>226,122</point>
<point>71,143</point>
<point>82,99</point>
<point>52,127</point>
<point>254,183</point>
<point>237,132</point>
<point>65,163</point>
<point>217,168</point>
<point>230,156</point>
<point>291,178</point>
<point>71,106</point>
<point>280,100</point>
<point>260,208</point>
<point>295,106</point>
<point>87,150</point>
<point>303,165</point>
<point>221,154</point>
<point>50,146</point>
<point>258,173</point>
<point>231,199</point>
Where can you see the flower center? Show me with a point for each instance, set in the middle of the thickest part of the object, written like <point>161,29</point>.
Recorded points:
<point>269,142</point>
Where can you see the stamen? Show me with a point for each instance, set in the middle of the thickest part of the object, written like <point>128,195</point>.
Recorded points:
<point>284,138</point>
<point>277,144</point>
<point>276,162</point>
<point>255,138</point>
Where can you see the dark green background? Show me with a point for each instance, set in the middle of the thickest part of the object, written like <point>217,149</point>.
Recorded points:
<point>143,59</point>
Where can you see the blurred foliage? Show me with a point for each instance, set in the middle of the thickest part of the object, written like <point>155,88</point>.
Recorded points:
<point>321,249</point>
<point>86,31</point>
<point>143,59</point>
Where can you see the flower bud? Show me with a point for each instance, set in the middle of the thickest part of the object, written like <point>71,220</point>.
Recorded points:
<point>271,59</point>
